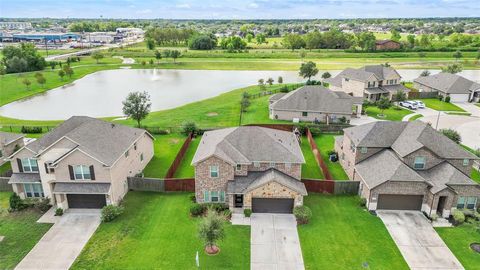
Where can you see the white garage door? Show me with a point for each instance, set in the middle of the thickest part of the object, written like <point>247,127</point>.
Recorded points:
<point>459,97</point>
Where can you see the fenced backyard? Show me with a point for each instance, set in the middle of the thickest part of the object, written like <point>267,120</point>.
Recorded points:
<point>4,186</point>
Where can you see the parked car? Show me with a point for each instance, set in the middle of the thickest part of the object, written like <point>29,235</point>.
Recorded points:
<point>420,104</point>
<point>408,104</point>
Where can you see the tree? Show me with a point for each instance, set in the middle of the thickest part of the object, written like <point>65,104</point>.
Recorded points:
<point>261,81</point>
<point>211,230</point>
<point>245,103</point>
<point>425,73</point>
<point>61,74</point>
<point>158,56</point>
<point>457,55</point>
<point>41,80</point>
<point>16,65</point>
<point>395,35</point>
<point>27,82</point>
<point>383,104</point>
<point>452,135</point>
<point>202,42</point>
<point>189,128</point>
<point>302,54</point>
<point>366,41</point>
<point>68,71</point>
<point>52,64</point>
<point>411,40</point>
<point>293,41</point>
<point>326,75</point>
<point>175,54</point>
<point>261,38</point>
<point>150,61</point>
<point>400,96</point>
<point>97,56</point>
<point>137,106</point>
<point>22,58</point>
<point>249,37</point>
<point>270,81</point>
<point>308,70</point>
<point>150,43</point>
<point>453,68</point>
<point>280,79</point>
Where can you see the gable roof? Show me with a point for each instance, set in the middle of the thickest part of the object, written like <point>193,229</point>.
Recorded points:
<point>7,137</point>
<point>444,175</point>
<point>247,144</point>
<point>102,140</point>
<point>384,41</point>
<point>315,98</point>
<point>448,83</point>
<point>363,74</point>
<point>375,134</point>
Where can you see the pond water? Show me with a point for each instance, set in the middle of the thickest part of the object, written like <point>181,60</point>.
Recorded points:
<point>101,94</point>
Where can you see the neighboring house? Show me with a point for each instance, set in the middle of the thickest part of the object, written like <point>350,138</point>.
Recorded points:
<point>387,44</point>
<point>250,167</point>
<point>314,103</point>
<point>9,143</point>
<point>368,82</point>
<point>458,88</point>
<point>83,163</point>
<point>408,166</point>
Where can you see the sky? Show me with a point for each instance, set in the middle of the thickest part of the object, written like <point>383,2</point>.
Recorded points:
<point>240,9</point>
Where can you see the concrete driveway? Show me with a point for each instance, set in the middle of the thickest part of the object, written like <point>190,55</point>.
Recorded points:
<point>61,245</point>
<point>419,243</point>
<point>274,242</point>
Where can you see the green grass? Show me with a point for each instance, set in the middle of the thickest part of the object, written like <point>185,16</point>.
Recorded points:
<point>415,117</point>
<point>21,233</point>
<point>185,170</point>
<point>5,167</point>
<point>165,150</point>
<point>438,105</point>
<point>325,143</point>
<point>475,175</point>
<point>310,169</point>
<point>458,240</point>
<point>392,114</point>
<point>157,232</point>
<point>459,113</point>
<point>341,235</point>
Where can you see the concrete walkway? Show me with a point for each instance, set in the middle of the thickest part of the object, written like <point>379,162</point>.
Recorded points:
<point>61,245</point>
<point>419,243</point>
<point>274,243</point>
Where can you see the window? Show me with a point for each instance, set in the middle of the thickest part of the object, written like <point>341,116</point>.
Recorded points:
<point>29,165</point>
<point>206,196</point>
<point>272,164</point>
<point>126,153</point>
<point>368,84</point>
<point>304,113</point>
<point>135,146</point>
<point>363,150</point>
<point>419,163</point>
<point>81,172</point>
<point>213,196</point>
<point>141,157</point>
<point>466,162</point>
<point>239,167</point>
<point>461,203</point>
<point>256,164</point>
<point>471,202</point>
<point>213,171</point>
<point>33,190</point>
<point>466,202</point>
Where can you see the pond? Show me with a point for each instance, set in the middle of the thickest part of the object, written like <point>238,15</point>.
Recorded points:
<point>100,94</point>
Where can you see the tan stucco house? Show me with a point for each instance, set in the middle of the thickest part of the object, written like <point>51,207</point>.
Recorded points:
<point>368,82</point>
<point>313,103</point>
<point>9,143</point>
<point>250,167</point>
<point>458,88</point>
<point>82,163</point>
<point>408,166</point>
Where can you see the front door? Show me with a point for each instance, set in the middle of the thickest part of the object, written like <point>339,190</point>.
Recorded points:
<point>238,200</point>
<point>441,204</point>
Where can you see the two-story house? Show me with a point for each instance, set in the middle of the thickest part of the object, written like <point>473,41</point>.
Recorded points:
<point>82,163</point>
<point>408,166</point>
<point>250,167</point>
<point>368,82</point>
<point>9,143</point>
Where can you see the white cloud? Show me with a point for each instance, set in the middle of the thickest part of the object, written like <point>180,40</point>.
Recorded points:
<point>253,5</point>
<point>144,11</point>
<point>184,6</point>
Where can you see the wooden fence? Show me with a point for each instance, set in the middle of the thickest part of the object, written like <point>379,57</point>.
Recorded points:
<point>286,89</point>
<point>178,159</point>
<point>331,186</point>
<point>4,186</point>
<point>161,185</point>
<point>186,184</point>
<point>318,156</point>
<point>413,95</point>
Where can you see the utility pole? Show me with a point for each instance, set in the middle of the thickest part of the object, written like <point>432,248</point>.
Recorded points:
<point>438,119</point>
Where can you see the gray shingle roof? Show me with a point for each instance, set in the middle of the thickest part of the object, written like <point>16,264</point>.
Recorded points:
<point>313,98</point>
<point>243,184</point>
<point>444,175</point>
<point>375,134</point>
<point>363,74</point>
<point>20,178</point>
<point>385,166</point>
<point>81,188</point>
<point>449,83</point>
<point>247,144</point>
<point>103,140</point>
<point>277,96</point>
<point>7,137</point>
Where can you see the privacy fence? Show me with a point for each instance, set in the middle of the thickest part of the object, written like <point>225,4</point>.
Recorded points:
<point>318,156</point>
<point>4,186</point>
<point>161,185</point>
<point>331,186</point>
<point>178,159</point>
<point>414,95</point>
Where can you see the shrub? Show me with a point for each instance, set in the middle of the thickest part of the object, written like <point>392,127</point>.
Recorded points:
<point>16,203</point>
<point>362,202</point>
<point>42,204</point>
<point>458,217</point>
<point>211,230</point>
<point>284,89</point>
<point>218,207</point>
<point>110,212</point>
<point>434,217</point>
<point>189,127</point>
<point>452,135</point>
<point>193,198</point>
<point>302,214</point>
<point>27,129</point>
<point>58,212</point>
<point>447,99</point>
<point>197,209</point>
<point>440,98</point>
<point>247,212</point>
<point>227,213</point>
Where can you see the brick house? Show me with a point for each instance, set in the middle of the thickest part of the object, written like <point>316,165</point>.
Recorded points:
<point>250,167</point>
<point>9,143</point>
<point>408,166</point>
<point>386,45</point>
<point>82,163</point>
<point>368,82</point>
<point>314,103</point>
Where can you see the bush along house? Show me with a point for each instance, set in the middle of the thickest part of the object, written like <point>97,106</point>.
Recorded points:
<point>83,163</point>
<point>250,167</point>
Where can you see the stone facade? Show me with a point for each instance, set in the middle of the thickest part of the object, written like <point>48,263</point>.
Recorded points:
<point>272,190</point>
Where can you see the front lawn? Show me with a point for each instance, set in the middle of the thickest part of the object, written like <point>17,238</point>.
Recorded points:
<point>165,150</point>
<point>157,232</point>
<point>392,114</point>
<point>310,169</point>
<point>434,103</point>
<point>341,235</point>
<point>325,143</point>
<point>475,175</point>
<point>458,240</point>
<point>185,170</point>
<point>21,232</point>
